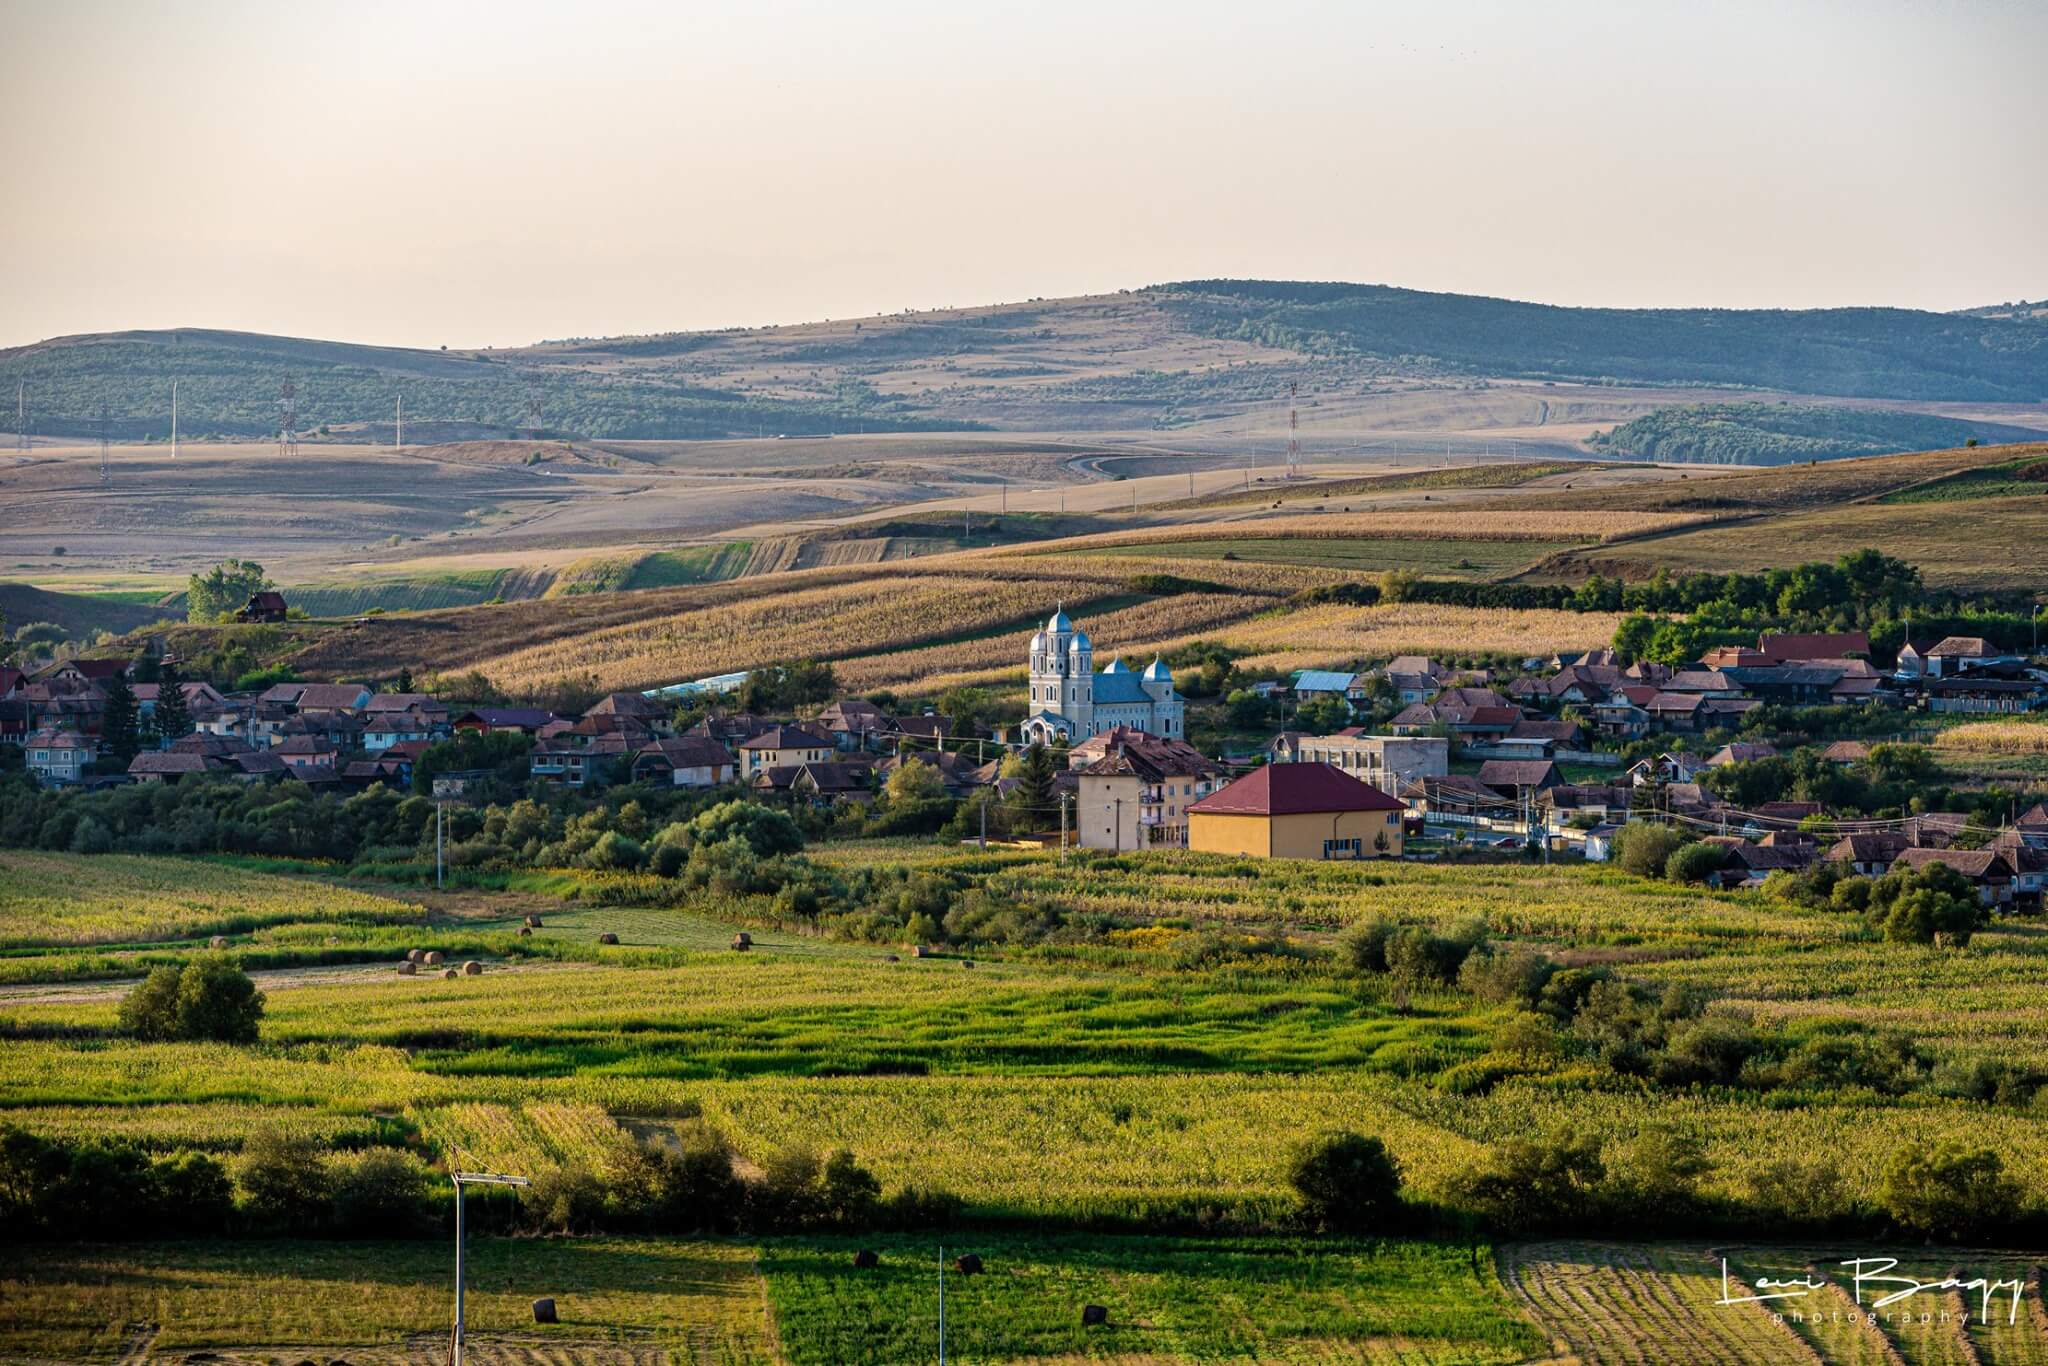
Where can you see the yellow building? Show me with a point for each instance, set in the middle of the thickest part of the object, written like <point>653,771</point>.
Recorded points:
<point>1309,811</point>
<point>784,747</point>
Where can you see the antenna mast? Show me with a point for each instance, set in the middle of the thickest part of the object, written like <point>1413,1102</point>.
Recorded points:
<point>532,407</point>
<point>174,419</point>
<point>1293,436</point>
<point>21,417</point>
<point>104,476</point>
<point>398,433</point>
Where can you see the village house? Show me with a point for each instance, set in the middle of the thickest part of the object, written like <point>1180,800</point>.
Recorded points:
<point>60,756</point>
<point>1304,811</point>
<point>1388,762</point>
<point>1458,799</point>
<point>1519,779</point>
<point>494,720</point>
<point>685,761</point>
<point>783,747</point>
<point>1868,854</point>
<point>853,723</point>
<point>1987,870</point>
<point>825,782</point>
<point>1138,794</point>
<point>267,607</point>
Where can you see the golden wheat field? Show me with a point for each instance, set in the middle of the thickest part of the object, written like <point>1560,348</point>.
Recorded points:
<point>1326,636</point>
<point>2004,738</point>
<point>1471,524</point>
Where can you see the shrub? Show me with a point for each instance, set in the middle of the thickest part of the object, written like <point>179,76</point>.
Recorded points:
<point>1347,1182</point>
<point>1694,862</point>
<point>206,999</point>
<point>284,1181</point>
<point>1953,1193</point>
<point>1363,947</point>
<point>565,1199</point>
<point>1527,1186</point>
<point>1645,848</point>
<point>380,1192</point>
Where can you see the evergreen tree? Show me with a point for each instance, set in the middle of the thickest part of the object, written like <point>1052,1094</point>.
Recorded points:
<point>1031,800</point>
<point>120,727</point>
<point>173,719</point>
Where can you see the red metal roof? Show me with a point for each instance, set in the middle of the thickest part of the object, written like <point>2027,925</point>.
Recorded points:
<point>1294,789</point>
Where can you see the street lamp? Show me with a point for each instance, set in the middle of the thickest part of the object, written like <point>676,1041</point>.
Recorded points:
<point>462,1179</point>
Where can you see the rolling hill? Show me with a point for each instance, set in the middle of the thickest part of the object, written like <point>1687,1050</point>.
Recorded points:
<point>1161,357</point>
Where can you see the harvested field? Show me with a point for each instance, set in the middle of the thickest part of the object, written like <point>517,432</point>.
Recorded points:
<point>1997,738</point>
<point>1329,636</point>
<point>1438,558</point>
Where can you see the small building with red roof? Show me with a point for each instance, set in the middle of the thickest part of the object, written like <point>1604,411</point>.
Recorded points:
<point>1307,811</point>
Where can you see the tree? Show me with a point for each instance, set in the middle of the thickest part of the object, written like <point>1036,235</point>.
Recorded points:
<point>208,998</point>
<point>1644,848</point>
<point>1323,715</point>
<point>914,781</point>
<point>224,589</point>
<point>1348,1183</point>
<point>968,709</point>
<point>284,1180</point>
<point>120,726</point>
<point>1031,800</point>
<point>1694,862</point>
<point>1952,1193</point>
<point>764,830</point>
<point>378,1193</point>
<point>173,719</point>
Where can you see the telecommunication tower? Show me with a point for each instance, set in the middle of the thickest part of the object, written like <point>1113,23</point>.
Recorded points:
<point>288,418</point>
<point>533,415</point>
<point>1293,436</point>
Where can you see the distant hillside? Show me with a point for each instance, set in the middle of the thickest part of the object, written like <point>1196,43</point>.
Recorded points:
<point>1785,433</point>
<point>229,385</point>
<point>1853,352</point>
<point>79,616</point>
<point>1163,358</point>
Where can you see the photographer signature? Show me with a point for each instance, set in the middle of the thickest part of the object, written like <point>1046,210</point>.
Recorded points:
<point>1876,1272</point>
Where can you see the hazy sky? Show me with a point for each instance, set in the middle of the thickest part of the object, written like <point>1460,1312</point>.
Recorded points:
<point>496,173</point>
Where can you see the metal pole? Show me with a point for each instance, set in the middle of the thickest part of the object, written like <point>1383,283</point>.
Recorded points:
<point>458,1273</point>
<point>174,419</point>
<point>1063,827</point>
<point>439,815</point>
<point>942,1304</point>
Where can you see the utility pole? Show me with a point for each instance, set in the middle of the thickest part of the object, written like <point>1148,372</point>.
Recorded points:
<point>398,426</point>
<point>440,812</point>
<point>1062,856</point>
<point>942,1304</point>
<point>21,418</point>
<point>1293,435</point>
<point>104,476</point>
<point>174,419</point>
<point>462,1179</point>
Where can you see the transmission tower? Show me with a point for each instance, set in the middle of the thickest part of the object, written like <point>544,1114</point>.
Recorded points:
<point>398,426</point>
<point>105,475</point>
<point>174,419</point>
<point>533,408</point>
<point>21,418</point>
<point>1293,435</point>
<point>288,418</point>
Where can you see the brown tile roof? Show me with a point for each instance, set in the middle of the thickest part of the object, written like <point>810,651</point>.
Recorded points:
<point>1294,789</point>
<point>786,737</point>
<point>1817,646</point>
<point>1499,773</point>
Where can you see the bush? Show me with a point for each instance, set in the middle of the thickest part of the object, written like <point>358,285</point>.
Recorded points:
<point>1695,862</point>
<point>1645,848</point>
<point>208,999</point>
<point>1953,1193</point>
<point>284,1181</point>
<point>566,1199</point>
<point>1530,1187</point>
<point>1348,1183</point>
<point>1363,947</point>
<point>378,1193</point>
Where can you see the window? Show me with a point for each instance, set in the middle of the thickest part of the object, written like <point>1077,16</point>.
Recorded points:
<point>1339,848</point>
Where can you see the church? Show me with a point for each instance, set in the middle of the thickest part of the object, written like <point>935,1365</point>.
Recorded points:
<point>1070,700</point>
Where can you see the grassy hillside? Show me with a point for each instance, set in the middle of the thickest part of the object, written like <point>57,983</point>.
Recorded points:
<point>79,614</point>
<point>1782,433</point>
<point>1858,352</point>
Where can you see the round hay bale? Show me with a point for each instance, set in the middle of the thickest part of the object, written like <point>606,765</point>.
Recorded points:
<point>544,1312</point>
<point>408,968</point>
<point>533,922</point>
<point>472,969</point>
<point>968,1264</point>
<point>525,933</point>
<point>433,959</point>
<point>892,958</point>
<point>919,951</point>
<point>607,938</point>
<point>449,974</point>
<point>742,941</point>
<point>219,941</point>
<point>414,955</point>
<point>1093,1316</point>
<point>967,962</point>
<point>865,1259</point>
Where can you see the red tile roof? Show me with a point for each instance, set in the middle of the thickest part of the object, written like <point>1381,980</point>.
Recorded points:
<point>1292,790</point>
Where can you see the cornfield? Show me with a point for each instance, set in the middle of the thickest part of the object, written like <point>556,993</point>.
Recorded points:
<point>1330,636</point>
<point>2002,738</point>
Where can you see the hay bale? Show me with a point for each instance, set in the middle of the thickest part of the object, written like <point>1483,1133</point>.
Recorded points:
<point>607,938</point>
<point>533,922</point>
<point>414,955</point>
<point>433,959</point>
<point>865,1259</point>
<point>1093,1316</point>
<point>742,941</point>
<point>408,968</point>
<point>449,974</point>
<point>891,958</point>
<point>219,941</point>
<point>525,933</point>
<point>472,969</point>
<point>919,951</point>
<point>967,962</point>
<point>544,1312</point>
<point>968,1264</point>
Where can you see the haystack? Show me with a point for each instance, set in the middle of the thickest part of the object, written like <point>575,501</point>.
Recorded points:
<point>414,955</point>
<point>607,938</point>
<point>219,941</point>
<point>865,1259</point>
<point>449,974</point>
<point>1093,1315</point>
<point>472,969</point>
<point>743,941</point>
<point>408,968</point>
<point>533,922</point>
<point>433,958</point>
<point>968,1264</point>
<point>544,1312</point>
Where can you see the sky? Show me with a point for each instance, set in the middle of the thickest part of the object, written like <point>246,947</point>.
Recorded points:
<point>495,174</point>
